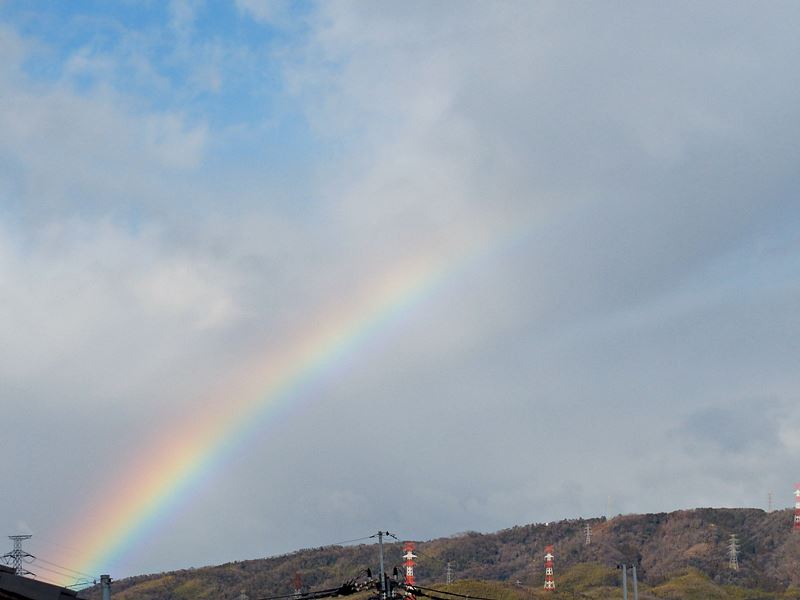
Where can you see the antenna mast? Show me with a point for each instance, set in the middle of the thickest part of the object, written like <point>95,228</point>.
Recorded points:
<point>549,580</point>
<point>297,582</point>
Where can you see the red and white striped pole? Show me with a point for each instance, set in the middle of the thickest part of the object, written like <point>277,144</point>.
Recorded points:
<point>409,557</point>
<point>549,580</point>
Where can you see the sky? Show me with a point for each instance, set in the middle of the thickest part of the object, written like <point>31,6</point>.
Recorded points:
<point>584,219</point>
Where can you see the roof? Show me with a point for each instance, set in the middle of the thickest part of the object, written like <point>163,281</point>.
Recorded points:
<point>15,587</point>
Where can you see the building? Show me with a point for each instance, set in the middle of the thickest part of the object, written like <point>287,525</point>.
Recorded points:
<point>16,587</point>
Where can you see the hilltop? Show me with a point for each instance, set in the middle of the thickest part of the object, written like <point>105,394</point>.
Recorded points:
<point>681,554</point>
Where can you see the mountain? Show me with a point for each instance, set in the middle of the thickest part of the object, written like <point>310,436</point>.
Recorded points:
<point>682,554</point>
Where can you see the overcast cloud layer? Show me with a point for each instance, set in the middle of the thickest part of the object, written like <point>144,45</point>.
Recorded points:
<point>182,187</point>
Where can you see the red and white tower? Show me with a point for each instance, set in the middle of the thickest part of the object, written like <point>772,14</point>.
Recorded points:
<point>298,585</point>
<point>409,557</point>
<point>549,581</point>
<point>796,507</point>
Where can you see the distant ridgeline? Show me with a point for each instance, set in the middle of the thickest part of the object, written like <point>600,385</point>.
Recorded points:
<point>683,554</point>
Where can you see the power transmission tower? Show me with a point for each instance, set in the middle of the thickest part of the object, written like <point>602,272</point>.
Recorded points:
<point>733,553</point>
<point>18,555</point>
<point>588,529</point>
<point>796,526</point>
<point>449,573</point>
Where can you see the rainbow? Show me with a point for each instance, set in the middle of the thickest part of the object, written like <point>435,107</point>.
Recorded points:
<point>158,481</point>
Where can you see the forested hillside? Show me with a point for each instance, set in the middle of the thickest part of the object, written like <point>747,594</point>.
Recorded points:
<point>675,552</point>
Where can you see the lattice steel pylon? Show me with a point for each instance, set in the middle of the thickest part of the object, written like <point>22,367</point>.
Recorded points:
<point>549,579</point>
<point>17,556</point>
<point>733,553</point>
<point>588,530</point>
<point>408,562</point>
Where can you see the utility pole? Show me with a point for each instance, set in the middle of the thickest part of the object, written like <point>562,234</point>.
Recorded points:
<point>18,555</point>
<point>383,573</point>
<point>105,587</point>
<point>733,553</point>
<point>769,502</point>
<point>384,590</point>
<point>449,573</point>
<point>624,568</point>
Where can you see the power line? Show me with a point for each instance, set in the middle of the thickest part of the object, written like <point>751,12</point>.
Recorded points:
<point>52,564</point>
<point>471,597</point>
<point>50,581</point>
<point>318,593</point>
<point>78,581</point>
<point>81,583</point>
<point>49,542</point>
<point>49,570</point>
<point>437,597</point>
<point>361,539</point>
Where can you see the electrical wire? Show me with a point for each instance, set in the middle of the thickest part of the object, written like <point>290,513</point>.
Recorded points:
<point>315,594</point>
<point>49,570</point>
<point>62,573</point>
<point>471,597</point>
<point>79,581</point>
<point>361,539</point>
<point>43,580</point>
<point>79,584</point>
<point>277,597</point>
<point>38,538</point>
<point>424,595</point>
<point>44,560</point>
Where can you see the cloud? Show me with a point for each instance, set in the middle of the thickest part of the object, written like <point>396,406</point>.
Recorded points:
<point>98,280</point>
<point>612,193</point>
<point>175,144</point>
<point>750,425</point>
<point>65,152</point>
<point>276,13</point>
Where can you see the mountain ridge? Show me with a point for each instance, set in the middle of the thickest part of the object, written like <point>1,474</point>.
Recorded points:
<point>662,545</point>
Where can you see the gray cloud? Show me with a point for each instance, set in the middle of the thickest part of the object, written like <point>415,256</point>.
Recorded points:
<point>750,425</point>
<point>644,158</point>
